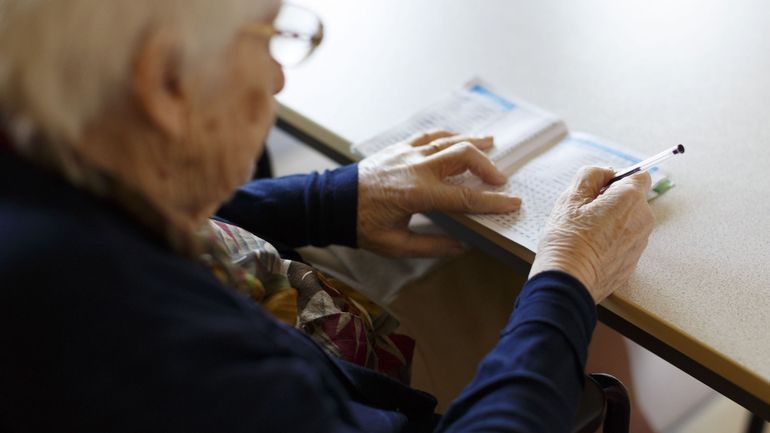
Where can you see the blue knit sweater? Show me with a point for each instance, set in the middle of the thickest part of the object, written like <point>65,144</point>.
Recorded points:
<point>104,328</point>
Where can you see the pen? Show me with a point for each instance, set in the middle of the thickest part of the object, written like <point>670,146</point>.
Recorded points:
<point>648,163</point>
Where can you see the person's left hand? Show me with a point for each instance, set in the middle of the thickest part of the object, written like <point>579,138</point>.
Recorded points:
<point>409,177</point>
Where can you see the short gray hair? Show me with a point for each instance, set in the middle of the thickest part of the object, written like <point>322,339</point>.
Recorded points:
<point>63,61</point>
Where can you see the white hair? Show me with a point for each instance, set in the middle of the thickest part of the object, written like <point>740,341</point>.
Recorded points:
<point>63,61</point>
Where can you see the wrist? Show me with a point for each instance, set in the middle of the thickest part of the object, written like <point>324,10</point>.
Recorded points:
<point>584,273</point>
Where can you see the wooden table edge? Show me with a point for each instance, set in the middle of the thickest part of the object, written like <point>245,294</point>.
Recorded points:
<point>646,329</point>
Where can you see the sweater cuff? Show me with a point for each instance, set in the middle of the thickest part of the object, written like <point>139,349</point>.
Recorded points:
<point>337,218</point>
<point>559,300</point>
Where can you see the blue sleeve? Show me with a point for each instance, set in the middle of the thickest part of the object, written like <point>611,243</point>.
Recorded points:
<point>532,380</point>
<point>293,211</point>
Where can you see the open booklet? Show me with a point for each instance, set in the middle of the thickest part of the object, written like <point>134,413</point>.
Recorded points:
<point>533,147</point>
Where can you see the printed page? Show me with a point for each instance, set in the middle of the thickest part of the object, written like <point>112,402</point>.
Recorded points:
<point>541,180</point>
<point>518,128</point>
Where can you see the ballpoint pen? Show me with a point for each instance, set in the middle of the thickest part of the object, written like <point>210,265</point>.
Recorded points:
<point>647,163</point>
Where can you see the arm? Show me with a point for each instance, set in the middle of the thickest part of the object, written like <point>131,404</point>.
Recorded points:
<point>532,380</point>
<point>294,211</point>
<point>369,205</point>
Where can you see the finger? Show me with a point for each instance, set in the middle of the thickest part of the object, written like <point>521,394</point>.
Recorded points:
<point>640,181</point>
<point>588,183</point>
<point>482,143</point>
<point>627,191</point>
<point>465,156</point>
<point>423,138</point>
<point>643,221</point>
<point>412,244</point>
<point>458,198</point>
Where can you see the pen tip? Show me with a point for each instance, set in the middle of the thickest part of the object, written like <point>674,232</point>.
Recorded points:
<point>679,149</point>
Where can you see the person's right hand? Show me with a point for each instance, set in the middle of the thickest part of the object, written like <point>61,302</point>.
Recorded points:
<point>597,237</point>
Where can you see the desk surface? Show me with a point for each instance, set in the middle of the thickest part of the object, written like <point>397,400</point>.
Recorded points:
<point>645,73</point>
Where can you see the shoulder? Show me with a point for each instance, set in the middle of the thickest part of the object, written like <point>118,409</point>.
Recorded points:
<point>65,249</point>
<point>41,241</point>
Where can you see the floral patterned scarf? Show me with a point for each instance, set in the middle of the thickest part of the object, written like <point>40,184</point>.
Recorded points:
<point>336,316</point>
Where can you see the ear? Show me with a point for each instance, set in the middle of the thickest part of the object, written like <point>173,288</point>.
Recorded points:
<point>157,82</point>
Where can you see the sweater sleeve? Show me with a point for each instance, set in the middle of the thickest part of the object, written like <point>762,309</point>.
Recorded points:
<point>313,209</point>
<point>532,380</point>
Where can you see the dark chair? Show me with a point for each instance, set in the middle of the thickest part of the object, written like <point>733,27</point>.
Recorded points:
<point>605,402</point>
<point>755,424</point>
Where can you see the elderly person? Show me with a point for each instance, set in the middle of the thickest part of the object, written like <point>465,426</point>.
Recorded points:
<point>126,126</point>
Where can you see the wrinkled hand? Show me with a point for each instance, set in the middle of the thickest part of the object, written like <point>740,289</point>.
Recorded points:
<point>409,177</point>
<point>597,238</point>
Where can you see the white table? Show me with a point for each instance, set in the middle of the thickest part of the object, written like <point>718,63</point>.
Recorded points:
<point>647,74</point>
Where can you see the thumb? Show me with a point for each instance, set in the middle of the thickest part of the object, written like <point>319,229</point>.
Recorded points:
<point>412,244</point>
<point>588,183</point>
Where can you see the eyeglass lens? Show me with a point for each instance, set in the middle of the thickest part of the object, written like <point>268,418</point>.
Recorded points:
<point>288,50</point>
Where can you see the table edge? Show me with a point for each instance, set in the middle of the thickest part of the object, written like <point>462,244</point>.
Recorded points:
<point>687,353</point>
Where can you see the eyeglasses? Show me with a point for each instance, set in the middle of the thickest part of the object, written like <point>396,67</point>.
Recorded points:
<point>294,34</point>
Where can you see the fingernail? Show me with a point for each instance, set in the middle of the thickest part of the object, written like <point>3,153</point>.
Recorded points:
<point>485,140</point>
<point>515,203</point>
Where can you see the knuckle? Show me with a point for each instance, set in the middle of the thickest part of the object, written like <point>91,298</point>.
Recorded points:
<point>461,138</point>
<point>628,192</point>
<point>468,198</point>
<point>626,195</point>
<point>423,137</point>
<point>465,147</point>
<point>443,141</point>
<point>583,178</point>
<point>594,173</point>
<point>430,149</point>
<point>472,152</point>
<point>585,171</point>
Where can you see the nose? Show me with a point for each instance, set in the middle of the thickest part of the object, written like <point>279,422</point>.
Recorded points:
<point>280,78</point>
